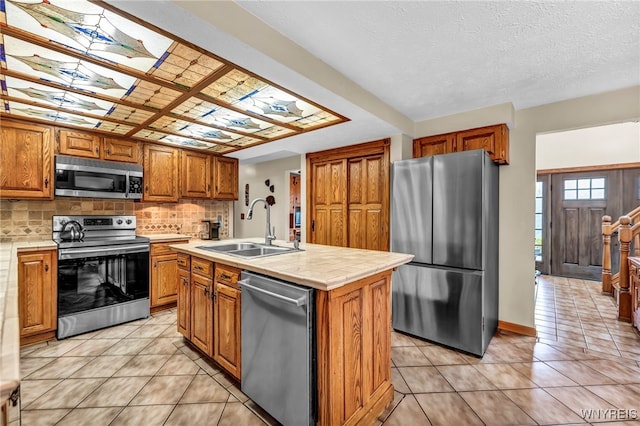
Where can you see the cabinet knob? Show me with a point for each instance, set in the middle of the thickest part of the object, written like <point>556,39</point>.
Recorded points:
<point>155,264</point>
<point>146,188</point>
<point>97,150</point>
<point>198,267</point>
<point>46,182</point>
<point>46,267</point>
<point>184,281</point>
<point>206,291</point>
<point>108,151</point>
<point>225,277</point>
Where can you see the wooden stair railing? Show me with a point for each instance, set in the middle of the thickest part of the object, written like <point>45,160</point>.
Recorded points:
<point>608,229</point>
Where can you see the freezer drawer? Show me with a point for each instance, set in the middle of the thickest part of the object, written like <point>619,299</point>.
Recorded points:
<point>278,368</point>
<point>441,305</point>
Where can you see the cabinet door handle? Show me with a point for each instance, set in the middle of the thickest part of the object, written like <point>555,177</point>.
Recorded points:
<point>184,281</point>
<point>108,151</point>
<point>225,276</point>
<point>146,188</point>
<point>206,292</point>
<point>208,187</point>
<point>155,264</point>
<point>97,150</point>
<point>313,225</point>
<point>199,268</point>
<point>46,267</point>
<point>46,182</point>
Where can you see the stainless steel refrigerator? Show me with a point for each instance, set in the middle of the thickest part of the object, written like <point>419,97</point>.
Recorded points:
<point>444,210</point>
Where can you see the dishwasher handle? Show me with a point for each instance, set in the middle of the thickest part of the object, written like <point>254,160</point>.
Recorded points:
<point>301,301</point>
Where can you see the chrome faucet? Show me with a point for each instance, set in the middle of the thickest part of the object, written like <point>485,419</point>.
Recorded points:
<point>268,236</point>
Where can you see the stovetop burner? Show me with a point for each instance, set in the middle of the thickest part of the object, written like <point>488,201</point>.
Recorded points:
<point>98,231</point>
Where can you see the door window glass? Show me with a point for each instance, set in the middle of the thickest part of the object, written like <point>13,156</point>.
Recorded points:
<point>538,224</point>
<point>585,189</point>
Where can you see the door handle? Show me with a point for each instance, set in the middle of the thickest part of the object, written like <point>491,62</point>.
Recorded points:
<point>301,301</point>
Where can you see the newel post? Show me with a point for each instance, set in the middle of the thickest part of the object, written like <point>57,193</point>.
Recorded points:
<point>624,301</point>
<point>606,254</point>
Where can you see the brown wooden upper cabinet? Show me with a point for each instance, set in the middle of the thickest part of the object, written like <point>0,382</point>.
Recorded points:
<point>225,178</point>
<point>160,173</point>
<point>26,157</point>
<point>493,139</point>
<point>195,179</point>
<point>91,145</point>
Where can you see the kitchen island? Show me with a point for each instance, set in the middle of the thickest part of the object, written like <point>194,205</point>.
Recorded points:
<point>353,320</point>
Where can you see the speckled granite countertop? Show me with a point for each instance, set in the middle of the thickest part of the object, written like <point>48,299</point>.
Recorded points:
<point>318,266</point>
<point>9,323</point>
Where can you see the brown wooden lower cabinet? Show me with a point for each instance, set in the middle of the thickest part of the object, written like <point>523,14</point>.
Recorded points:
<point>163,276</point>
<point>202,305</point>
<point>226,323</point>
<point>37,295</point>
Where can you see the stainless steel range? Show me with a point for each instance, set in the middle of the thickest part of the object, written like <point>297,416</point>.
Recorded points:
<point>103,272</point>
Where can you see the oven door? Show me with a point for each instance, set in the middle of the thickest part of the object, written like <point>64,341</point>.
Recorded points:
<point>101,286</point>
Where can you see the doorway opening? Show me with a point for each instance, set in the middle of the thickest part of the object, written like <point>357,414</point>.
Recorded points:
<point>295,207</point>
<point>582,175</point>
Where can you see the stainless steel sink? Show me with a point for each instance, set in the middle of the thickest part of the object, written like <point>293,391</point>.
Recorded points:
<point>248,250</point>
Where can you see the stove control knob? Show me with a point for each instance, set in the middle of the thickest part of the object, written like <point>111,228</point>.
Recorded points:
<point>119,221</point>
<point>129,221</point>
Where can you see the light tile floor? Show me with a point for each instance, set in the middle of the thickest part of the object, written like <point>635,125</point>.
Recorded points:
<point>142,373</point>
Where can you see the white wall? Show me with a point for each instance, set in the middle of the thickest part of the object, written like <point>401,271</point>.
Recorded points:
<point>517,180</point>
<point>255,175</point>
<point>601,145</point>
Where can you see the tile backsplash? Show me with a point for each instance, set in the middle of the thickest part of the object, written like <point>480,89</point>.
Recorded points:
<point>27,220</point>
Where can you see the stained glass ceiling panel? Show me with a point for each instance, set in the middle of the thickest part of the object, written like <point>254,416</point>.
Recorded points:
<point>87,65</point>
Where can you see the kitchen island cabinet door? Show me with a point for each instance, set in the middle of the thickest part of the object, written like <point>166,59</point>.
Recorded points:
<point>354,351</point>
<point>226,326</point>
<point>184,302</point>
<point>202,313</point>
<point>79,144</point>
<point>225,178</point>
<point>195,180</point>
<point>160,173</point>
<point>37,296</point>
<point>26,157</point>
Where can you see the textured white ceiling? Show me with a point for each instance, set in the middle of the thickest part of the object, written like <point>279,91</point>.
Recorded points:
<point>433,58</point>
<point>389,64</point>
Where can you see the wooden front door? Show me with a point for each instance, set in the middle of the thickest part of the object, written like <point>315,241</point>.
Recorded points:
<point>579,200</point>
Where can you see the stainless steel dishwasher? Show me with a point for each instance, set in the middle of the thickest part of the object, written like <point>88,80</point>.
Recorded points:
<point>278,348</point>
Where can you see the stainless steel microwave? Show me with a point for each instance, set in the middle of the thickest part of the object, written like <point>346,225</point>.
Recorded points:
<point>82,177</point>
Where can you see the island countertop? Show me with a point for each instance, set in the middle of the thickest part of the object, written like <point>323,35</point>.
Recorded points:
<point>318,266</point>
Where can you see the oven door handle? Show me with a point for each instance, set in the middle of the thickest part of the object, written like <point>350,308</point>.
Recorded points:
<point>81,252</point>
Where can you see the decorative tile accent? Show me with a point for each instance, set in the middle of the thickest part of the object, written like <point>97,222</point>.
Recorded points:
<point>27,220</point>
